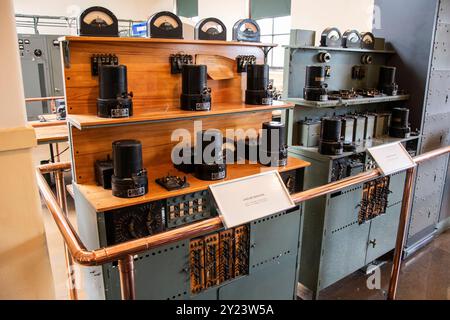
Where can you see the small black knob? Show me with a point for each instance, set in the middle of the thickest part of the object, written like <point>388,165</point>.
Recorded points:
<point>38,52</point>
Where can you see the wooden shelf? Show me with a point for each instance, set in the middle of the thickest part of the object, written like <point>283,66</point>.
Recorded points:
<point>341,49</point>
<point>155,40</point>
<point>348,102</point>
<point>102,200</point>
<point>172,114</point>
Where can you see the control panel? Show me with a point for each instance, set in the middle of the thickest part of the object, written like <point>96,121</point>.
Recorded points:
<point>218,257</point>
<point>151,218</point>
<point>348,166</point>
<point>188,208</point>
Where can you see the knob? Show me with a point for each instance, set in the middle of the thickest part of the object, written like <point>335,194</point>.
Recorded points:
<point>38,52</point>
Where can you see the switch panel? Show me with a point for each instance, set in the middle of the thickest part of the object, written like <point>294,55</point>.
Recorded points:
<point>188,208</point>
<point>219,257</point>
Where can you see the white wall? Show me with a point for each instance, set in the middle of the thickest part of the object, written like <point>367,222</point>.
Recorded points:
<point>228,11</point>
<point>343,14</point>
<point>24,262</point>
<point>129,9</point>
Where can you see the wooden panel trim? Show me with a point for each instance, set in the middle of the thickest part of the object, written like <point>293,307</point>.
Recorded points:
<point>156,40</point>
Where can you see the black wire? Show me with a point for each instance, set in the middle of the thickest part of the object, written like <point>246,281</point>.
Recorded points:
<point>58,154</point>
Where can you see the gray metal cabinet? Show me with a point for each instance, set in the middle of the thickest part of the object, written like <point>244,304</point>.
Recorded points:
<point>41,70</point>
<point>424,70</point>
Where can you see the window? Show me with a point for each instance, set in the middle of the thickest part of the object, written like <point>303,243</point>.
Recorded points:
<point>276,30</point>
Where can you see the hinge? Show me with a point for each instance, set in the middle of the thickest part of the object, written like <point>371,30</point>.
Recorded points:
<point>66,53</point>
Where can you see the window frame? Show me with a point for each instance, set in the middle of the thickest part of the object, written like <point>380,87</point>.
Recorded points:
<point>272,35</point>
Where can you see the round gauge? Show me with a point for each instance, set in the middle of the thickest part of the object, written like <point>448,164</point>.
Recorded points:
<point>210,29</point>
<point>246,30</point>
<point>249,27</point>
<point>98,18</point>
<point>351,39</point>
<point>367,40</point>
<point>331,37</point>
<point>98,21</point>
<point>334,35</point>
<point>165,24</point>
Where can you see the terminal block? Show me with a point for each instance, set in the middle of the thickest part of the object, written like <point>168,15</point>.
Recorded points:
<point>374,200</point>
<point>197,263</point>
<point>212,260</point>
<point>241,250</point>
<point>226,254</point>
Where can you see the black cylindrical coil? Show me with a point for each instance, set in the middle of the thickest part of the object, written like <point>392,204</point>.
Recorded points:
<point>387,75</point>
<point>315,76</point>
<point>331,129</point>
<point>130,178</point>
<point>273,144</point>
<point>194,78</point>
<point>315,86</point>
<point>273,130</point>
<point>114,100</point>
<point>386,82</point>
<point>399,127</point>
<point>112,81</point>
<point>257,77</point>
<point>258,91</point>
<point>213,141</point>
<point>195,96</point>
<point>127,158</point>
<point>330,137</point>
<point>212,166</point>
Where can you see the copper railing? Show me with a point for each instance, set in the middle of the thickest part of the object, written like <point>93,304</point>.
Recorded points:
<point>123,252</point>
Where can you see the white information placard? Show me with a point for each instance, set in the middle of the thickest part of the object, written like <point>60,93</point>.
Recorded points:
<point>391,158</point>
<point>247,199</point>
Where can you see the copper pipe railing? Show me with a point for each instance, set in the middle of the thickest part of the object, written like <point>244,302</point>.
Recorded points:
<point>124,252</point>
<point>29,100</point>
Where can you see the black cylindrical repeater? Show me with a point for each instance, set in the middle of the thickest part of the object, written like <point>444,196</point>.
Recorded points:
<point>195,96</point>
<point>114,101</point>
<point>130,178</point>
<point>258,89</point>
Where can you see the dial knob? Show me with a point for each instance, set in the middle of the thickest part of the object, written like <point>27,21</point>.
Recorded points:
<point>38,52</point>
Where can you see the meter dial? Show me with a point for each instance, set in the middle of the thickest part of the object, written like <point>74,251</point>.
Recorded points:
<point>246,30</point>
<point>352,39</point>
<point>165,24</point>
<point>367,40</point>
<point>331,37</point>
<point>210,29</point>
<point>98,21</point>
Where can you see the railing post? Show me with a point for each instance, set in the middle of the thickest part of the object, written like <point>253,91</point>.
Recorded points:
<point>126,271</point>
<point>62,200</point>
<point>401,233</point>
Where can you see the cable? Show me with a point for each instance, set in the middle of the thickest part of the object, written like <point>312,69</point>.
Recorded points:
<point>59,154</point>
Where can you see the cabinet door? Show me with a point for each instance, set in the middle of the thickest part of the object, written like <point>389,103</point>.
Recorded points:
<point>272,281</point>
<point>344,245</point>
<point>383,229</point>
<point>383,232</point>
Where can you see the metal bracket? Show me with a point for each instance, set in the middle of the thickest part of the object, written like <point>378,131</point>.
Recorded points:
<point>66,53</point>
<point>266,51</point>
